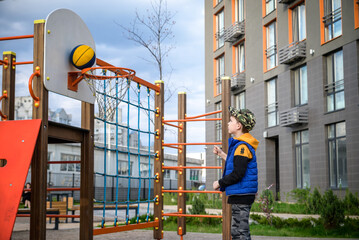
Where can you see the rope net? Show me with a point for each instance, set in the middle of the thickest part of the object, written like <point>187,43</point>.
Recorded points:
<point>124,135</point>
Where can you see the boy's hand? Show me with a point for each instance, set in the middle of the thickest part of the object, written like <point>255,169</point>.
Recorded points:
<point>217,150</point>
<point>216,185</point>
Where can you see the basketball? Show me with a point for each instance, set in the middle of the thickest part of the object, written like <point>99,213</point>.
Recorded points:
<point>82,56</point>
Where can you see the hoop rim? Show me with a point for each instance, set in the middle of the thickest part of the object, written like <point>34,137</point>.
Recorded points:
<point>74,78</point>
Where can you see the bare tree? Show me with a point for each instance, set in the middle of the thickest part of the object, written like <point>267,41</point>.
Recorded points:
<point>153,31</point>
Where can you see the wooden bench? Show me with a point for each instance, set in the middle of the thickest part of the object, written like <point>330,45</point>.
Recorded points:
<point>55,211</point>
<point>100,207</point>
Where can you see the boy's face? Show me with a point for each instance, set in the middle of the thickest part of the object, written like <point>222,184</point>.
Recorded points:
<point>233,125</point>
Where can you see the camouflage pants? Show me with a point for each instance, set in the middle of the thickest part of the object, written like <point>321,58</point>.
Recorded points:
<point>240,224</point>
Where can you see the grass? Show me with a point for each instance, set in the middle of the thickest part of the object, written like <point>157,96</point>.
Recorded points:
<point>265,230</point>
<point>280,207</point>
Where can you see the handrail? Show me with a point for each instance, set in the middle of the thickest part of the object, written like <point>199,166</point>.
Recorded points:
<point>37,74</point>
<point>2,97</point>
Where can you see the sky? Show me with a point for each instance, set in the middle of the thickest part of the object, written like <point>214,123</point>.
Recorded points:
<point>103,19</point>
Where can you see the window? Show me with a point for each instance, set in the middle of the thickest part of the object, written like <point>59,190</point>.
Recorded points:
<point>335,82</point>
<point>123,168</point>
<point>145,171</point>
<point>270,6</point>
<point>302,159</point>
<point>239,10</point>
<point>220,29</point>
<point>240,58</point>
<point>218,106</point>
<point>240,100</point>
<point>70,167</point>
<point>272,105</point>
<point>167,173</point>
<point>271,51</point>
<point>49,159</point>
<point>194,175</point>
<point>337,155</point>
<point>298,23</point>
<point>300,86</point>
<point>220,73</point>
<point>332,19</point>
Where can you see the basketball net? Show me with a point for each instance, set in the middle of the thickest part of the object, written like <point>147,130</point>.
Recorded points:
<point>109,85</point>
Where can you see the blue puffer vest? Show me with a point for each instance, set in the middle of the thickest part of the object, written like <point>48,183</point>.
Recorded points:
<point>249,183</point>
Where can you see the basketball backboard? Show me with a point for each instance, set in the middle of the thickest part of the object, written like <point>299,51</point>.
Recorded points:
<point>65,30</point>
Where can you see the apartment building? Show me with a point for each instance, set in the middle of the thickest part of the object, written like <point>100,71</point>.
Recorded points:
<point>295,64</point>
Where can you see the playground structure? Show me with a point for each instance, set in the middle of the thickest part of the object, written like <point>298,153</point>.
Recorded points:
<point>51,132</point>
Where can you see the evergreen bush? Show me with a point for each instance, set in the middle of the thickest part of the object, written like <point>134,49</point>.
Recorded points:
<point>351,203</point>
<point>314,203</point>
<point>332,212</point>
<point>197,206</point>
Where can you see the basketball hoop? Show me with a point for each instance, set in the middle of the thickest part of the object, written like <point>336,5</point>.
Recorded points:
<point>107,83</point>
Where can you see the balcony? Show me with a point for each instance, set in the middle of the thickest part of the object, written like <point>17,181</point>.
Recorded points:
<point>234,32</point>
<point>238,81</point>
<point>293,117</point>
<point>286,1</point>
<point>292,53</point>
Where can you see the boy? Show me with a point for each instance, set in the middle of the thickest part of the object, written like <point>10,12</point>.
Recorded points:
<point>240,176</point>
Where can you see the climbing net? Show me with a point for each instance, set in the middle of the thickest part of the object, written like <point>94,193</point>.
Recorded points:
<point>124,136</point>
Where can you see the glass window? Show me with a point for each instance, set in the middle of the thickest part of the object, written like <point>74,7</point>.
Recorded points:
<point>271,51</point>
<point>240,100</point>
<point>218,106</point>
<point>220,73</point>
<point>220,29</point>
<point>332,19</point>
<point>272,108</point>
<point>300,86</point>
<point>337,155</point>
<point>145,171</point>
<point>302,159</point>
<point>298,23</point>
<point>240,58</point>
<point>270,6</point>
<point>240,10</point>
<point>335,82</point>
<point>194,175</point>
<point>123,168</point>
<point>167,173</point>
<point>70,167</point>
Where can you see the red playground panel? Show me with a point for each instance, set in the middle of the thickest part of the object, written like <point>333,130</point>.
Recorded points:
<point>17,143</point>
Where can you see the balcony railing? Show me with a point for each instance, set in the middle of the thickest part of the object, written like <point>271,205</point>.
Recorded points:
<point>286,1</point>
<point>332,17</point>
<point>334,86</point>
<point>238,80</point>
<point>293,117</point>
<point>292,53</point>
<point>234,32</point>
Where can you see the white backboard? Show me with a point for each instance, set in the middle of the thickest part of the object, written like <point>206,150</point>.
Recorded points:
<point>65,30</point>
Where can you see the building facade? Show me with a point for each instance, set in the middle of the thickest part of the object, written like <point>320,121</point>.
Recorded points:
<point>295,64</point>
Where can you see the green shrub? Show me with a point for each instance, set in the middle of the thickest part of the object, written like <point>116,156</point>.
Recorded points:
<point>351,203</point>
<point>300,195</point>
<point>314,203</point>
<point>332,212</point>
<point>197,206</point>
<point>278,222</point>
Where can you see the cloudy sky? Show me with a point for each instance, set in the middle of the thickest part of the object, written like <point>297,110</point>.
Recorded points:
<point>102,19</point>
